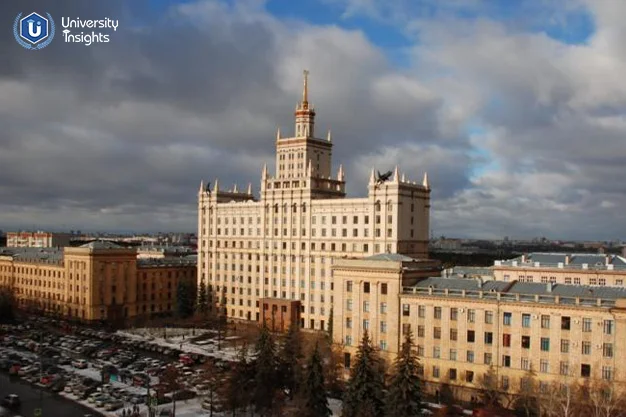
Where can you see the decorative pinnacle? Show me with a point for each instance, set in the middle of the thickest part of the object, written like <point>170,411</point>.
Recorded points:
<point>425,181</point>
<point>305,90</point>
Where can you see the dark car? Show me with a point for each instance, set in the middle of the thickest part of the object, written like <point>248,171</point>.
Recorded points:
<point>11,401</point>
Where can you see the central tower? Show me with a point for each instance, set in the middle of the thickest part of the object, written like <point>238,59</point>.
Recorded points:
<point>304,162</point>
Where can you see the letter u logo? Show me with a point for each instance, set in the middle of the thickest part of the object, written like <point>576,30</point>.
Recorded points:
<point>31,29</point>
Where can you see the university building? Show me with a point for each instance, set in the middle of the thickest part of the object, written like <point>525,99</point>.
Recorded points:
<point>94,282</point>
<point>37,239</point>
<point>578,269</point>
<point>462,326</point>
<point>256,252</point>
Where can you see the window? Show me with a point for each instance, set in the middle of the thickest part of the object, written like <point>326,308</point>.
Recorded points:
<point>348,343</point>
<point>420,331</point>
<point>565,323</point>
<point>366,287</point>
<point>348,323</point>
<point>469,376</point>
<point>421,311</point>
<point>470,356</point>
<point>406,328</point>
<point>525,320</point>
<point>488,317</point>
<point>525,364</point>
<point>607,350</point>
<point>564,368</point>
<point>586,325</point>
<point>383,327</point>
<point>586,348</point>
<point>436,352</point>
<point>366,306</point>
<point>437,332</point>
<point>487,358</point>
<point>435,372</point>
<point>348,304</point>
<point>420,350</point>
<point>506,340</point>
<point>608,326</point>
<point>545,344</point>
<point>564,346</point>
<point>585,370</point>
<point>525,342</point>
<point>507,319</point>
<point>383,345</point>
<point>383,308</point>
<point>406,310</point>
<point>349,286</point>
<point>366,324</point>
<point>452,374</point>
<point>607,373</point>
<point>543,366</point>
<point>506,361</point>
<point>453,334</point>
<point>471,315</point>
<point>471,336</point>
<point>437,313</point>
<point>505,382</point>
<point>545,321</point>
<point>454,313</point>
<point>452,354</point>
<point>383,289</point>
<point>488,338</point>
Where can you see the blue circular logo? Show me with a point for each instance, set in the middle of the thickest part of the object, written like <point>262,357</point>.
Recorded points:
<point>33,31</point>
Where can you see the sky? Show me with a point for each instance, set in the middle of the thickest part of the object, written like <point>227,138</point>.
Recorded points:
<point>516,109</point>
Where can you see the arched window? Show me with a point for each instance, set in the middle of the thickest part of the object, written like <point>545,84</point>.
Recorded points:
<point>389,205</point>
<point>276,208</point>
<point>295,208</point>
<point>377,205</point>
<point>304,207</point>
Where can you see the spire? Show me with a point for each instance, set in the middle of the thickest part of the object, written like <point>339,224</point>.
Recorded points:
<point>308,169</point>
<point>372,177</point>
<point>217,185</point>
<point>305,90</point>
<point>396,174</point>
<point>425,182</point>
<point>249,192</point>
<point>328,137</point>
<point>278,134</point>
<point>403,177</point>
<point>340,175</point>
<point>264,172</point>
<point>235,190</point>
<point>201,185</point>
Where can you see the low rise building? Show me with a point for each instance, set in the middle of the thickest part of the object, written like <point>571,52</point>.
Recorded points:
<point>462,327</point>
<point>564,268</point>
<point>96,281</point>
<point>37,239</point>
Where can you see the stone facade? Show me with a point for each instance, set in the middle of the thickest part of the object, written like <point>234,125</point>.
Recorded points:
<point>283,244</point>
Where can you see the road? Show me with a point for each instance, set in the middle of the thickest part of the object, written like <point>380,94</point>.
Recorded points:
<point>53,405</point>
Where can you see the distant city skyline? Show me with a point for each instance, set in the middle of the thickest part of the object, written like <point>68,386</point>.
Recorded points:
<point>513,108</point>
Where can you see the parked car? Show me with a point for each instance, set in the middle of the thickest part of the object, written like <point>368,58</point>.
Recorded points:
<point>11,401</point>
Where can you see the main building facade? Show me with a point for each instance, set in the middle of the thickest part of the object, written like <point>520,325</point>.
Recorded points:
<point>256,253</point>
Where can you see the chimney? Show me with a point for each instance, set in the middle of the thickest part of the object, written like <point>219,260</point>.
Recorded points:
<point>523,258</point>
<point>567,259</point>
<point>549,287</point>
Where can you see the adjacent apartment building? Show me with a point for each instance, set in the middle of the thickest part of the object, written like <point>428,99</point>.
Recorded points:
<point>462,326</point>
<point>94,282</point>
<point>257,250</point>
<point>37,239</point>
<point>563,268</point>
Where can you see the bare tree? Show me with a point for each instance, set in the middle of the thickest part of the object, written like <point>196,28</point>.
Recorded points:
<point>171,380</point>
<point>604,399</point>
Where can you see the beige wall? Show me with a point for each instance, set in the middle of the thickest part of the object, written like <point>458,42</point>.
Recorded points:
<point>566,275</point>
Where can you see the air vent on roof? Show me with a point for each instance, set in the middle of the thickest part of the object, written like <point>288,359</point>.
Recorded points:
<point>492,290</point>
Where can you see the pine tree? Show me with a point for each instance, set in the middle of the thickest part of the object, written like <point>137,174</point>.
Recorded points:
<point>314,396</point>
<point>265,381</point>
<point>365,390</point>
<point>202,299</point>
<point>330,324</point>
<point>236,393</point>
<point>185,299</point>
<point>404,395</point>
<point>290,360</point>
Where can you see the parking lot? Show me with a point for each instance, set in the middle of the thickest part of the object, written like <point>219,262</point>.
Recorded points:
<point>112,372</point>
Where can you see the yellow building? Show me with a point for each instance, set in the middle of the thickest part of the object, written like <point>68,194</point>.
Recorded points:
<point>96,281</point>
<point>562,268</point>
<point>462,326</point>
<point>283,244</point>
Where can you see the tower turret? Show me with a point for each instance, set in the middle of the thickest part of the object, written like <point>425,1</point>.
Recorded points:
<point>305,114</point>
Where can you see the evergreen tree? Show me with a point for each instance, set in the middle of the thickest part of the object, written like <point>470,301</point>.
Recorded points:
<point>185,299</point>
<point>330,324</point>
<point>365,390</point>
<point>236,393</point>
<point>7,305</point>
<point>203,305</point>
<point>290,360</point>
<point>265,372</point>
<point>404,395</point>
<point>315,399</point>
